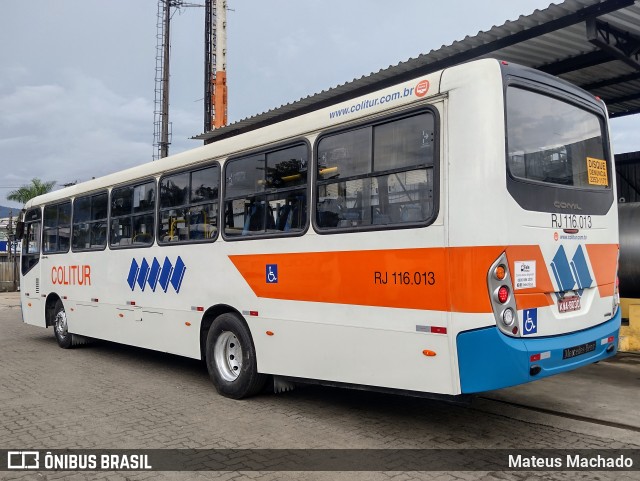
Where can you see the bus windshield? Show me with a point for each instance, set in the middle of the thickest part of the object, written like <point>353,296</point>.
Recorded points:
<point>554,142</point>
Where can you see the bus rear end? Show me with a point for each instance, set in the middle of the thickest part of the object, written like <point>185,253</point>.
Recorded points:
<point>550,203</point>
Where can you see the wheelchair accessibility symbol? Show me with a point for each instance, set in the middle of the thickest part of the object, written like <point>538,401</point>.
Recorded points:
<point>272,273</point>
<point>530,321</point>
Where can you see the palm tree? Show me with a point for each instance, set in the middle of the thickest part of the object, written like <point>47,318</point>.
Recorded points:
<point>28,192</point>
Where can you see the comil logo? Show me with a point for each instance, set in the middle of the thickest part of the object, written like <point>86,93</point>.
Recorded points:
<point>422,88</point>
<point>153,274</point>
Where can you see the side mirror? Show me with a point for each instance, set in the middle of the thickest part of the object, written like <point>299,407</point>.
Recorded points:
<point>19,230</point>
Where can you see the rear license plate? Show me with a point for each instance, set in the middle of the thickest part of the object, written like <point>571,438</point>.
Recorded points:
<point>569,303</point>
<point>570,352</point>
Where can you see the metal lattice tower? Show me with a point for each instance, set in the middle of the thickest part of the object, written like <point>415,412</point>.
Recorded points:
<point>215,101</point>
<point>161,124</point>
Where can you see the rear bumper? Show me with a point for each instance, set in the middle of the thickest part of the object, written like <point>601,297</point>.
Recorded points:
<point>488,359</point>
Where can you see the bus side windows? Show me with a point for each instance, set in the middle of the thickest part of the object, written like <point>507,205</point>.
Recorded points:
<point>377,176</point>
<point>133,215</point>
<point>90,222</point>
<point>266,193</point>
<point>188,210</point>
<point>57,228</point>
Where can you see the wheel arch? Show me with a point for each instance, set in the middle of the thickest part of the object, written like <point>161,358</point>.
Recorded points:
<point>49,308</point>
<point>208,318</point>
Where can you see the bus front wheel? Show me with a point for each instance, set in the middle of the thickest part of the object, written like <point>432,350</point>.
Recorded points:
<point>231,358</point>
<point>60,326</point>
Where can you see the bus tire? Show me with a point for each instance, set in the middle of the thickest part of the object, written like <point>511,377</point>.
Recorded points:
<point>60,326</point>
<point>231,358</point>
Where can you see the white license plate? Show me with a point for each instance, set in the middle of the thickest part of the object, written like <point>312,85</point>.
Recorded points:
<point>569,303</point>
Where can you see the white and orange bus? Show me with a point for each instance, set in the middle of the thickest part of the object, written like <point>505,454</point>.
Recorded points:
<point>450,234</point>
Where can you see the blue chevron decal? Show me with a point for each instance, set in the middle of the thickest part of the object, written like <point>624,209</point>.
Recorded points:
<point>153,274</point>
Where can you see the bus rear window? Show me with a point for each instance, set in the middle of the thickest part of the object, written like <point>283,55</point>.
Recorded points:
<point>554,142</point>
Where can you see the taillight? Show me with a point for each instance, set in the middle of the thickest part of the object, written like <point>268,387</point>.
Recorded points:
<point>503,294</point>
<point>502,302</point>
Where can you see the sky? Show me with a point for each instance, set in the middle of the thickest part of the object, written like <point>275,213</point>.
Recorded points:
<point>77,77</point>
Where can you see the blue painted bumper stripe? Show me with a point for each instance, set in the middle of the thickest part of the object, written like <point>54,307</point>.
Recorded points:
<point>488,359</point>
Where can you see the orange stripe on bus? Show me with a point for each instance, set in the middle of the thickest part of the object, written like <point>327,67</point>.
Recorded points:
<point>604,261</point>
<point>440,279</point>
<point>450,279</point>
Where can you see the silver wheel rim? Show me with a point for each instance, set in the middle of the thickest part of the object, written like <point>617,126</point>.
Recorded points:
<point>61,323</point>
<point>227,354</point>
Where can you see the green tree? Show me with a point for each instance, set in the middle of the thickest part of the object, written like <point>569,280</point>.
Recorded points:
<point>28,192</point>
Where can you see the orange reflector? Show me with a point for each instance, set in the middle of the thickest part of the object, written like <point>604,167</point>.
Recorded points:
<point>429,353</point>
<point>72,309</point>
<point>269,333</point>
<point>187,324</point>
<point>120,315</point>
<point>29,304</point>
<point>500,272</point>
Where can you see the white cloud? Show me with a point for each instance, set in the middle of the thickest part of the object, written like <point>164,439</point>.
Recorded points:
<point>71,130</point>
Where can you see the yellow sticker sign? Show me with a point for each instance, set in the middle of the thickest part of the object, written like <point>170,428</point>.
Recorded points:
<point>597,171</point>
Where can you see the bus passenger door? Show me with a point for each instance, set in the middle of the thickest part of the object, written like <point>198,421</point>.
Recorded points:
<point>32,303</point>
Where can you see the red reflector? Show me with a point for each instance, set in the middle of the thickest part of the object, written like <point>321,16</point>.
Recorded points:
<point>199,308</point>
<point>132,303</point>
<point>438,330</point>
<point>504,62</point>
<point>503,294</point>
<point>94,300</point>
<point>570,231</point>
<point>611,339</point>
<point>253,313</point>
<point>534,358</point>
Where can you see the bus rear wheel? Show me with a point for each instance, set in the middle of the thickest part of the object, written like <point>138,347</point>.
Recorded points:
<point>231,358</point>
<point>60,326</point>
